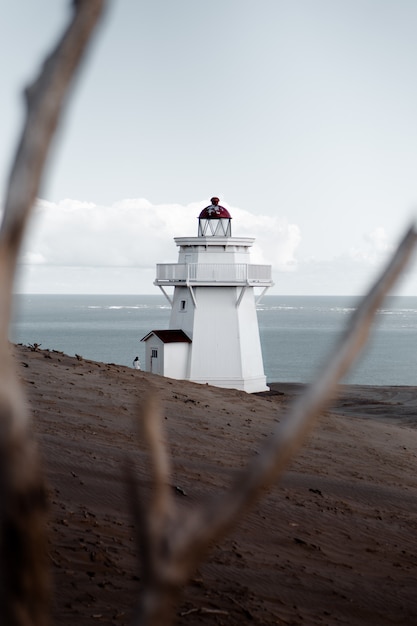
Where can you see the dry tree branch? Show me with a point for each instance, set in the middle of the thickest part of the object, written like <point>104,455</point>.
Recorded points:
<point>183,538</point>
<point>45,100</point>
<point>23,571</point>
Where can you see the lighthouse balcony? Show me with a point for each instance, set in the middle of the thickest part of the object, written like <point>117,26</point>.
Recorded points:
<point>226,274</point>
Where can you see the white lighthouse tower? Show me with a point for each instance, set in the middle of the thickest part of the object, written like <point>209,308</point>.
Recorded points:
<point>213,334</point>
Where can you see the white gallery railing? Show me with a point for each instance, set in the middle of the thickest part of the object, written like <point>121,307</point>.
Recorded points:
<point>229,273</point>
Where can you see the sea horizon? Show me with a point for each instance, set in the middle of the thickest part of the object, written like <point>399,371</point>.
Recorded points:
<point>297,332</point>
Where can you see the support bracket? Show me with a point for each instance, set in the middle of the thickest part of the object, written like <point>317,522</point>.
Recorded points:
<point>165,294</point>
<point>242,292</point>
<point>259,298</point>
<point>192,295</point>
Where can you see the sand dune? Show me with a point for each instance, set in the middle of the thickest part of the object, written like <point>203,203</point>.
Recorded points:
<point>334,542</point>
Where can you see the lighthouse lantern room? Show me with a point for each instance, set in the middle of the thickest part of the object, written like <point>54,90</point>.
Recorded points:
<point>213,334</point>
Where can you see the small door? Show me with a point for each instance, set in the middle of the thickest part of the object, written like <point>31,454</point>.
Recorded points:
<point>155,365</point>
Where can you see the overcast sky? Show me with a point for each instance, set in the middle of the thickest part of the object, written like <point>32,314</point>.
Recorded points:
<point>300,114</point>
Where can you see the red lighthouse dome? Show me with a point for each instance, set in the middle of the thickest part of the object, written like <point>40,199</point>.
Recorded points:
<point>214,220</point>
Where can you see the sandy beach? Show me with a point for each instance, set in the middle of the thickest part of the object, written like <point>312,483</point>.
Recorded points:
<point>333,542</point>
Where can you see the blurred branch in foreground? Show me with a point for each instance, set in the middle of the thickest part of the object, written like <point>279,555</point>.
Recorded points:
<point>172,542</point>
<point>24,579</point>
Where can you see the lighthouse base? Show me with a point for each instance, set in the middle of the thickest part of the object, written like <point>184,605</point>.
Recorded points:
<point>250,385</point>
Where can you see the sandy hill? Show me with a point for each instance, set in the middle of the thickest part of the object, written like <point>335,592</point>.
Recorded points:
<point>334,542</point>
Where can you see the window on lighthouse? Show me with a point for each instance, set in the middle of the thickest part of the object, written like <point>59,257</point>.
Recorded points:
<point>183,305</point>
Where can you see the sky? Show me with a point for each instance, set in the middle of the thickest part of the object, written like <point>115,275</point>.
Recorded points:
<point>301,115</point>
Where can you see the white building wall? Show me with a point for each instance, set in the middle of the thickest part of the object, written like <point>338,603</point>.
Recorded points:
<point>214,253</point>
<point>182,315</point>
<point>176,360</point>
<point>226,349</point>
<point>216,346</point>
<point>250,343</point>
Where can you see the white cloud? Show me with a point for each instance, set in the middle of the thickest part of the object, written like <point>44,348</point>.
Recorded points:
<point>376,246</point>
<point>276,239</point>
<point>133,232</point>
<point>82,247</point>
<point>32,258</point>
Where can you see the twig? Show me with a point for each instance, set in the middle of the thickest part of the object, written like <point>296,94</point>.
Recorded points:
<point>292,430</point>
<point>151,420</point>
<point>189,612</point>
<point>194,531</point>
<point>45,100</point>
<point>24,583</point>
<point>154,519</point>
<point>204,611</point>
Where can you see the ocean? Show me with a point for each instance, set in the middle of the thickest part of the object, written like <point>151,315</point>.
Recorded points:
<point>297,332</point>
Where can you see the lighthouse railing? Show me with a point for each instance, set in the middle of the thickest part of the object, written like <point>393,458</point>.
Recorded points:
<point>259,272</point>
<point>208,273</point>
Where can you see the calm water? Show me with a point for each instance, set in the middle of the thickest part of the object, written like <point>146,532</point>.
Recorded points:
<point>296,332</point>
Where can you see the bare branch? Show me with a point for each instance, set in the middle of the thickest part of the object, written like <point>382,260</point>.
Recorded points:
<point>192,535</point>
<point>295,426</point>
<point>154,521</point>
<point>45,102</point>
<point>24,585</point>
<point>151,521</point>
<point>151,421</point>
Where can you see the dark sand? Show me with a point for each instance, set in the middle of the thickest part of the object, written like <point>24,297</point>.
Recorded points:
<point>333,542</point>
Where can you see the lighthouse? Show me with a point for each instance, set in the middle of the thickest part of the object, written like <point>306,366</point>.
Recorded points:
<point>213,334</point>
